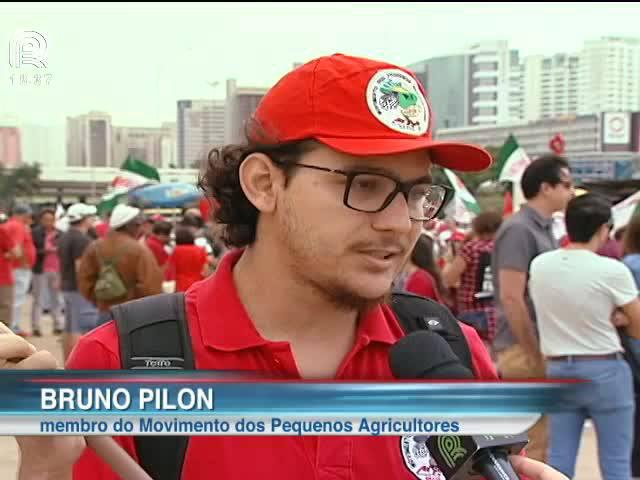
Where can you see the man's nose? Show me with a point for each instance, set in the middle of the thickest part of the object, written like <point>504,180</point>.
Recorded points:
<point>395,217</point>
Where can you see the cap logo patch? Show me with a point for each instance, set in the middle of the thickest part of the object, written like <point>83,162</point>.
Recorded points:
<point>395,99</point>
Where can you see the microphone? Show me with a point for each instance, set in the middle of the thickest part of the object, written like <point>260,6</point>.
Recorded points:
<point>477,456</point>
<point>426,355</point>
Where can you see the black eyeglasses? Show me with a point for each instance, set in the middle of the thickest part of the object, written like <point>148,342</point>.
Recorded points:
<point>373,192</point>
<point>610,224</point>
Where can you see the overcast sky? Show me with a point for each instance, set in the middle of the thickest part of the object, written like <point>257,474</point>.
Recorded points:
<point>135,61</point>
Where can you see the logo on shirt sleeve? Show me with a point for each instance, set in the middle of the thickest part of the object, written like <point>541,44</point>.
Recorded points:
<point>417,458</point>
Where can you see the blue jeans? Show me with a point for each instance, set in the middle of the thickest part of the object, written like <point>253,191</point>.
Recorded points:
<point>46,292</point>
<point>81,316</point>
<point>609,401</point>
<point>104,317</point>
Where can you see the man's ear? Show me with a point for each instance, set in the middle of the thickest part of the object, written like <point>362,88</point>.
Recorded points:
<point>605,234</point>
<point>545,187</point>
<point>260,180</point>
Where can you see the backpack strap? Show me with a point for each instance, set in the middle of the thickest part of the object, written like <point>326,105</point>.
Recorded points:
<point>154,334</point>
<point>419,313</point>
<point>113,259</point>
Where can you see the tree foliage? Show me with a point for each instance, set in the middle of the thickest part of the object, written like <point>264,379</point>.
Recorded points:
<point>17,182</point>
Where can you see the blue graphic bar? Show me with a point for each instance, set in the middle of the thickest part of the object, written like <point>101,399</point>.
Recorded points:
<point>159,393</point>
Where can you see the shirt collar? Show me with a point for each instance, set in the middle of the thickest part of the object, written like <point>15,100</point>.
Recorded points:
<point>225,324</point>
<point>544,222</point>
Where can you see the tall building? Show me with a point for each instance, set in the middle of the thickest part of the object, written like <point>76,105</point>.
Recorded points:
<point>43,144</point>
<point>241,103</point>
<point>168,146</point>
<point>200,126</point>
<point>550,87</point>
<point>481,86</point>
<point>489,84</point>
<point>144,143</point>
<point>495,84</point>
<point>446,80</point>
<point>10,151</point>
<point>609,77</point>
<point>89,142</point>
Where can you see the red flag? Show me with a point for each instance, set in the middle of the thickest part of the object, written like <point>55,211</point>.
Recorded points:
<point>557,144</point>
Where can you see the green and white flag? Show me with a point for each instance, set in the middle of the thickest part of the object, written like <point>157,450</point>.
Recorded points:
<point>463,197</point>
<point>625,210</point>
<point>512,161</point>
<point>140,168</point>
<point>133,173</point>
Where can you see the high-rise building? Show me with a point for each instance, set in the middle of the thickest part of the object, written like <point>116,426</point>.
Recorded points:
<point>495,83</point>
<point>609,75</point>
<point>550,88</point>
<point>43,144</point>
<point>199,128</point>
<point>446,80</point>
<point>89,142</point>
<point>489,84</point>
<point>144,143</point>
<point>241,103</point>
<point>10,151</point>
<point>481,86</point>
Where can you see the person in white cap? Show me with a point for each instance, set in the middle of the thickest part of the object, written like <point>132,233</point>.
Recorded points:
<point>81,315</point>
<point>134,264</point>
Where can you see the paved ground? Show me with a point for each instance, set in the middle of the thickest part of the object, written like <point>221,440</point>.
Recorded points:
<point>587,461</point>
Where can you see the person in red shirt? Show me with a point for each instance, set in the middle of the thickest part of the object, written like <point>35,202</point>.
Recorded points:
<point>19,228</point>
<point>423,275</point>
<point>8,251</point>
<point>187,262</point>
<point>322,217</point>
<point>158,240</point>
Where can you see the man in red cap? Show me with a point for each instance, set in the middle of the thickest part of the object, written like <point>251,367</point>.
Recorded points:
<point>323,204</point>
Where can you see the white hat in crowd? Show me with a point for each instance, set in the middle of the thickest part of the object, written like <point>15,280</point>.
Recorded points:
<point>80,211</point>
<point>122,215</point>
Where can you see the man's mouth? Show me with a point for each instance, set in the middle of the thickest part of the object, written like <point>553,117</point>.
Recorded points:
<point>383,254</point>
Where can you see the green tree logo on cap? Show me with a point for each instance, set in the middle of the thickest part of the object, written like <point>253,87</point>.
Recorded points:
<point>395,99</point>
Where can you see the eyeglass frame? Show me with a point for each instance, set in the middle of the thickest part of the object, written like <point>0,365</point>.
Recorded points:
<point>401,187</point>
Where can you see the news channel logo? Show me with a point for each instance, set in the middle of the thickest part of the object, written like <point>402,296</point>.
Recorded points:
<point>29,59</point>
<point>28,47</point>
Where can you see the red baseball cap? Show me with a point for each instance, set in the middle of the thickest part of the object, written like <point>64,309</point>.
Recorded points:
<point>360,107</point>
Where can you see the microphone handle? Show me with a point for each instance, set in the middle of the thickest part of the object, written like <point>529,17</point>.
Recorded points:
<point>495,465</point>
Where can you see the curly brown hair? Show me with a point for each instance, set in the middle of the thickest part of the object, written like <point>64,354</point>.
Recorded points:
<point>220,179</point>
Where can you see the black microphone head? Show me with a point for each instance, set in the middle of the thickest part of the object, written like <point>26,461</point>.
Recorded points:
<point>424,355</point>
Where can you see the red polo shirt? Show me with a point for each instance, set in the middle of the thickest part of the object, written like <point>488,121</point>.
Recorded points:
<point>158,250</point>
<point>21,236</point>
<point>224,337</point>
<point>7,243</point>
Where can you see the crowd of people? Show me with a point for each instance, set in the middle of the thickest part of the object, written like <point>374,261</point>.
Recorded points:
<point>60,262</point>
<point>327,210</point>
